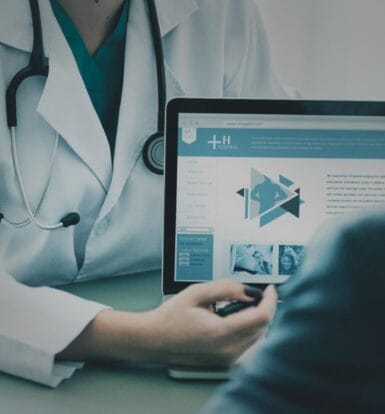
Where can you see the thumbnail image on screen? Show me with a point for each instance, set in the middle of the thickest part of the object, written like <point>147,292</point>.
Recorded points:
<point>290,259</point>
<point>251,258</point>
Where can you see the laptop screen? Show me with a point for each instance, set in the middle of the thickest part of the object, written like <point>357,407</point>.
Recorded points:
<point>253,189</point>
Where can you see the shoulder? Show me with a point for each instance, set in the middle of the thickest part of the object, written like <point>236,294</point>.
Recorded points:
<point>240,16</point>
<point>345,253</point>
<point>364,237</point>
<point>366,223</point>
<point>242,7</point>
<point>228,51</point>
<point>331,304</point>
<point>358,232</point>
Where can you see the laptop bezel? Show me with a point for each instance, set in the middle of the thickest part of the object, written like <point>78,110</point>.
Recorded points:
<point>231,106</point>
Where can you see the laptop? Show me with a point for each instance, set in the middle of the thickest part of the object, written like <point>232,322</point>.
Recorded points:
<point>248,182</point>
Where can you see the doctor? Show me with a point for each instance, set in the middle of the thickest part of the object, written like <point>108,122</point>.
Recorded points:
<point>79,141</point>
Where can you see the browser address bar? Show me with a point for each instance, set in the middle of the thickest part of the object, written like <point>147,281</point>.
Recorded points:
<point>237,123</point>
<point>304,124</point>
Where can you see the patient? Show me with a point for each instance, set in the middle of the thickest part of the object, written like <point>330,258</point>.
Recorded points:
<point>325,350</point>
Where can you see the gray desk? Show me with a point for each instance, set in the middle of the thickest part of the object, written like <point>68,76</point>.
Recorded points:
<point>110,389</point>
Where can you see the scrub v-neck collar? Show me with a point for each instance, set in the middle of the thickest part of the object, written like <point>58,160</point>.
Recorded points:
<point>102,72</point>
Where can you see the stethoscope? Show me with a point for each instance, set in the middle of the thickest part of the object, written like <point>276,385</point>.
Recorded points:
<point>153,150</point>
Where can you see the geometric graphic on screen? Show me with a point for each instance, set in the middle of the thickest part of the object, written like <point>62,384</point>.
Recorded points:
<point>268,200</point>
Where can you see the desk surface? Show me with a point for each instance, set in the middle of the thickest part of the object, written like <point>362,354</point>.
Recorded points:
<point>110,389</point>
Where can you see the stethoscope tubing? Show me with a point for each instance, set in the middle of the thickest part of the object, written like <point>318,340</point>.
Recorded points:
<point>15,159</point>
<point>39,66</point>
<point>158,49</point>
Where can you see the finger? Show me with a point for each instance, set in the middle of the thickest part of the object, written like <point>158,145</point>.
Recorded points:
<point>253,318</point>
<point>269,302</point>
<point>204,294</point>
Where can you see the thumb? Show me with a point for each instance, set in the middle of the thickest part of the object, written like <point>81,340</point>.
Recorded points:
<point>203,294</point>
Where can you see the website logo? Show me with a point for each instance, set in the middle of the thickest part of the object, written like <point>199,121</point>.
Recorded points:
<point>189,135</point>
<point>268,200</point>
<point>223,142</point>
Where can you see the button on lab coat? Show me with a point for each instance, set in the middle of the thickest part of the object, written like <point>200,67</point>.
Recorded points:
<point>212,48</point>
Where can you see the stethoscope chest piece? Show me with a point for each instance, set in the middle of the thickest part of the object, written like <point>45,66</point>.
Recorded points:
<point>153,153</point>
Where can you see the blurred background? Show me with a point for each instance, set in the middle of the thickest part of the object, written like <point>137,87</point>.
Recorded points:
<point>328,48</point>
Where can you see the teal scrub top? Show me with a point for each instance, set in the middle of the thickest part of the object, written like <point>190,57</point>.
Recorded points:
<point>102,72</point>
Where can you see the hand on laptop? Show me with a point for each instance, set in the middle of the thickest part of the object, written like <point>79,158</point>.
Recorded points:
<point>183,331</point>
<point>188,332</point>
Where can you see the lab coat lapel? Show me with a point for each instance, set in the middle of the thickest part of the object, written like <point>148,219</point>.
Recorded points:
<point>172,12</point>
<point>138,109</point>
<point>66,106</point>
<point>137,116</point>
<point>65,103</point>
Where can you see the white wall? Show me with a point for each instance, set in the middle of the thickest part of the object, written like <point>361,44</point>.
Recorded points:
<point>328,48</point>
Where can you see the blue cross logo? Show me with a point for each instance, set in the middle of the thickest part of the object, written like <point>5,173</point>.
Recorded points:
<point>215,142</point>
<point>226,140</point>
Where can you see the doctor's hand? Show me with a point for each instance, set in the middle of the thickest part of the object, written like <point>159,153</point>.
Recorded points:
<point>190,333</point>
<point>183,331</point>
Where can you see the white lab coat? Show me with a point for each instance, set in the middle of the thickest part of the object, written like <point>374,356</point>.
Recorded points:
<point>212,48</point>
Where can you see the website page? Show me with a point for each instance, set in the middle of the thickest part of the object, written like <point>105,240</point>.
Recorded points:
<point>252,190</point>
